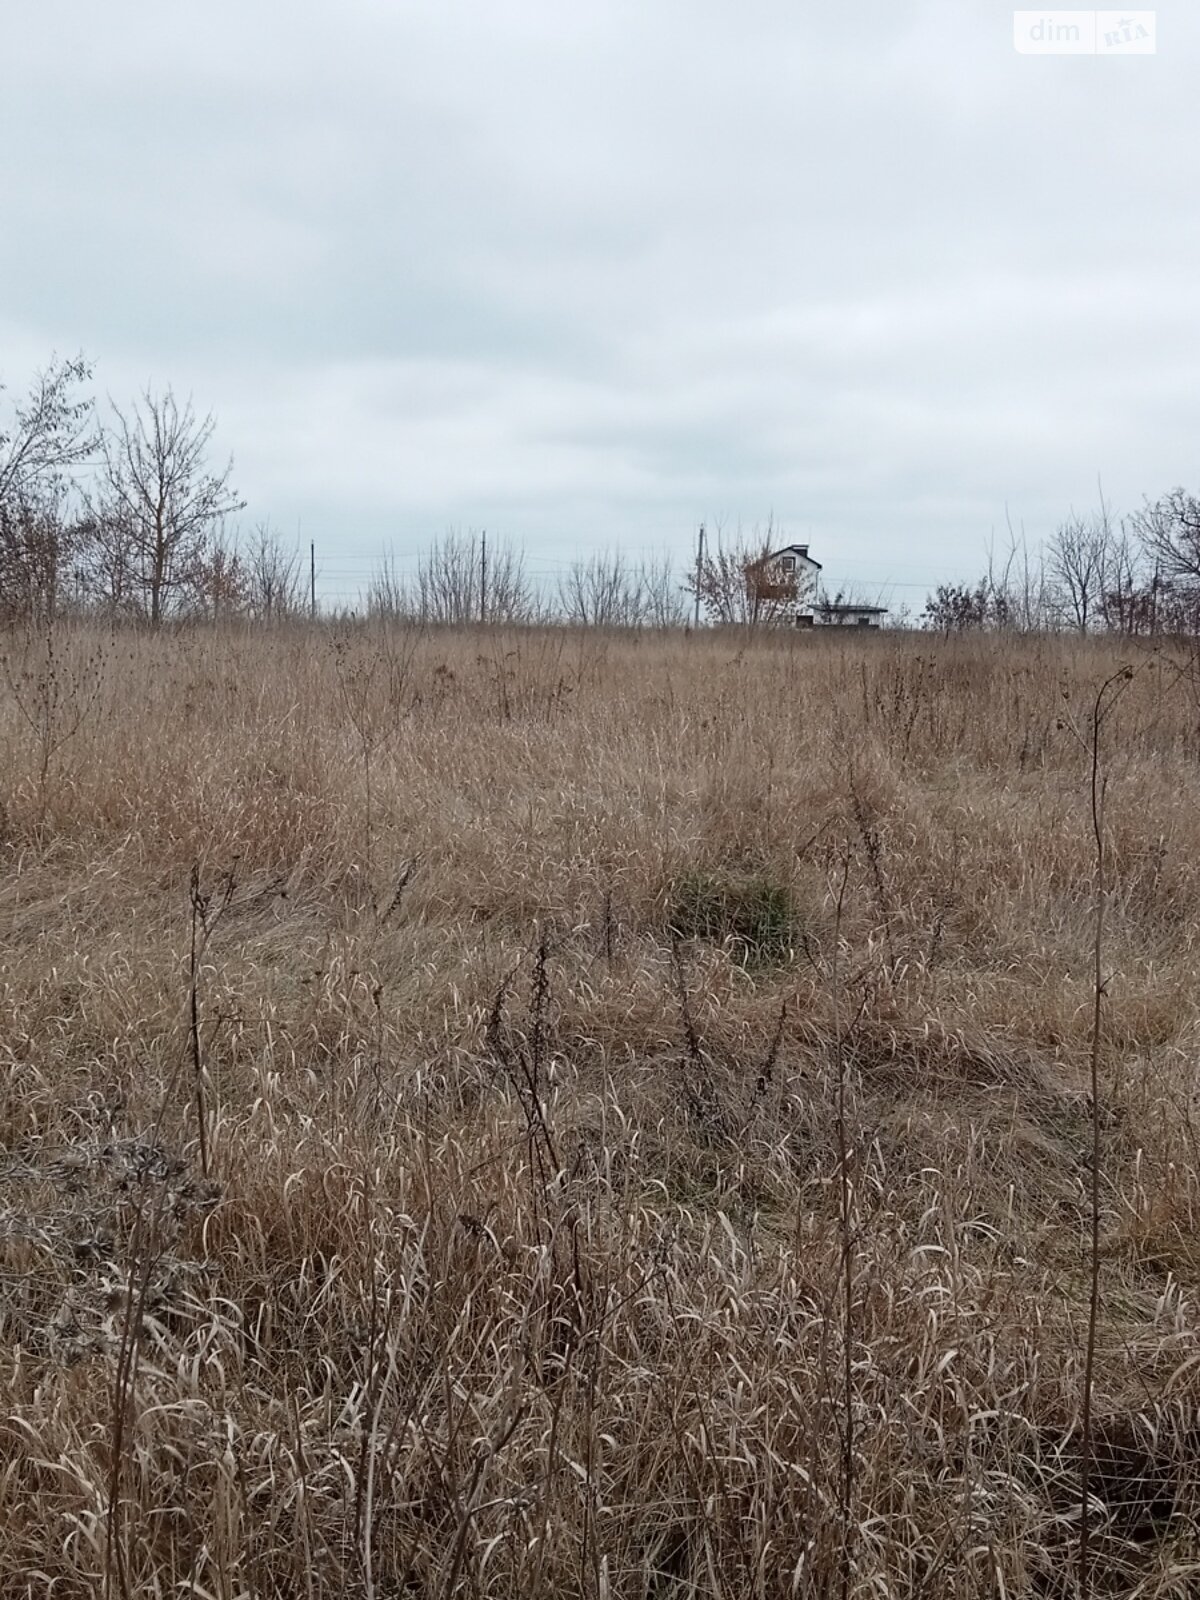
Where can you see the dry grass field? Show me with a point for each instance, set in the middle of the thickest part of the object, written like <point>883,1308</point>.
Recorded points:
<point>556,1114</point>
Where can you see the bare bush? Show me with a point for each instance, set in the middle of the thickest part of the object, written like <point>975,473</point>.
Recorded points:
<point>603,592</point>
<point>465,577</point>
<point>389,597</point>
<point>957,608</point>
<point>273,577</point>
<point>44,556</point>
<point>219,585</point>
<point>1125,602</point>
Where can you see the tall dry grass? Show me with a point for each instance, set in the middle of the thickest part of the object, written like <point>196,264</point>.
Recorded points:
<point>553,1244</point>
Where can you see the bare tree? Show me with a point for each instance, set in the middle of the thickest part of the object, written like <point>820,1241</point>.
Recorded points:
<point>1169,530</point>
<point>742,583</point>
<point>274,578</point>
<point>48,435</point>
<point>506,595</point>
<point>663,594</point>
<point>112,568</point>
<point>44,439</point>
<point>449,581</point>
<point>1126,602</point>
<point>159,506</point>
<point>1077,561</point>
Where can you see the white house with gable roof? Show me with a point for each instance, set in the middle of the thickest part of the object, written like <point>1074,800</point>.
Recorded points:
<point>793,567</point>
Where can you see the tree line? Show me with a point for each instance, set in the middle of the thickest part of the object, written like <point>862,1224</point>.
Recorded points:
<point>462,578</point>
<point>127,514</point>
<point>1136,576</point>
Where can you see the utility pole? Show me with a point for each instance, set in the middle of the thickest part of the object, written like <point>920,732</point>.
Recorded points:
<point>312,578</point>
<point>483,576</point>
<point>699,573</point>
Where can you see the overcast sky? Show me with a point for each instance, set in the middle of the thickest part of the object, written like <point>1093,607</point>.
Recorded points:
<point>586,274</point>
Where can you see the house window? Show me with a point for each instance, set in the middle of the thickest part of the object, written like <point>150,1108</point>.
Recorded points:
<point>788,563</point>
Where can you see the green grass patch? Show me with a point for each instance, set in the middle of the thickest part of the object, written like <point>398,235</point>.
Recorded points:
<point>754,914</point>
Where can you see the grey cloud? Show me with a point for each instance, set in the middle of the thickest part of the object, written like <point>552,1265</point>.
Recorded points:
<point>597,271</point>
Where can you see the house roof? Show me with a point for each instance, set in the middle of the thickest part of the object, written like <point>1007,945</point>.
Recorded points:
<point>848,610</point>
<point>800,550</point>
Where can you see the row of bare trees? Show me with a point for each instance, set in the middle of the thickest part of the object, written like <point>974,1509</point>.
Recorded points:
<point>461,578</point>
<point>1136,576</point>
<point>129,513</point>
<point>458,579</point>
